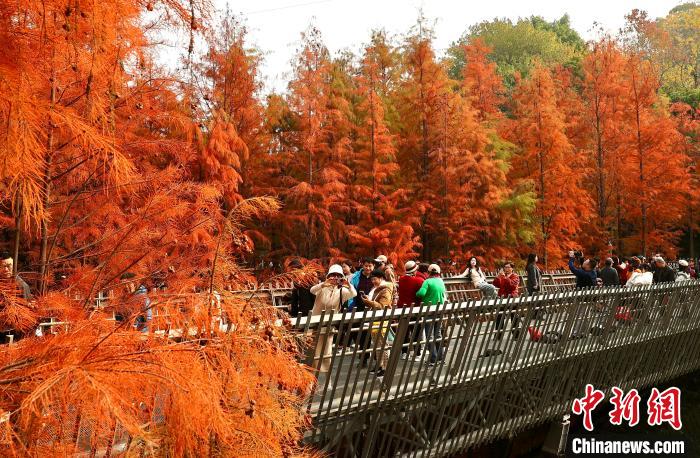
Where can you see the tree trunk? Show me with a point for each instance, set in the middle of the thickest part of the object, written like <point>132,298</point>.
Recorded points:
<point>691,233</point>
<point>18,238</point>
<point>640,154</point>
<point>43,268</point>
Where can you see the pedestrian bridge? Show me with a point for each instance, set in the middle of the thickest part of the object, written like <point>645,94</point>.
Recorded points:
<point>490,388</point>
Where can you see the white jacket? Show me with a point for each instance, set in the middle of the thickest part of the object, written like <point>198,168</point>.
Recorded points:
<point>640,278</point>
<point>476,276</point>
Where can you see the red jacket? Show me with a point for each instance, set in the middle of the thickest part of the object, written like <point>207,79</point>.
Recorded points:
<point>423,275</point>
<point>408,287</point>
<point>507,286</point>
<point>624,274</point>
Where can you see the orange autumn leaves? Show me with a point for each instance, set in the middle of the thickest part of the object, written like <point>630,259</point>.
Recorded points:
<point>113,178</point>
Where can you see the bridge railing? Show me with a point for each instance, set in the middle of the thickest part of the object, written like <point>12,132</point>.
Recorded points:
<point>540,350</point>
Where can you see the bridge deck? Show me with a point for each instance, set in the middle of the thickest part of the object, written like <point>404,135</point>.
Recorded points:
<point>578,326</point>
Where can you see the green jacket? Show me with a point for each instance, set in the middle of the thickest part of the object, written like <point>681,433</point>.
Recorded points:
<point>432,291</point>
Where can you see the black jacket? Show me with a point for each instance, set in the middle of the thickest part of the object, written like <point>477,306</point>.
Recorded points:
<point>609,276</point>
<point>302,301</point>
<point>534,278</point>
<point>664,274</point>
<point>584,278</point>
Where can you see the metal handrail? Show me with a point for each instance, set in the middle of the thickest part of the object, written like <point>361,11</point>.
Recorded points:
<point>593,335</point>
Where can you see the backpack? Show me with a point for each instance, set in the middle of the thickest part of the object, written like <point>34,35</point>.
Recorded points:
<point>535,334</point>
<point>623,314</point>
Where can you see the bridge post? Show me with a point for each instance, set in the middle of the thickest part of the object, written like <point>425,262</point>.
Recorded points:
<point>396,348</point>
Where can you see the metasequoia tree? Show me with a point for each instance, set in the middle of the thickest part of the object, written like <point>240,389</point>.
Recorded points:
<point>424,91</point>
<point>316,146</point>
<point>657,168</point>
<point>602,125</point>
<point>688,122</point>
<point>480,80</point>
<point>231,91</point>
<point>546,160</point>
<point>97,147</point>
<point>377,222</point>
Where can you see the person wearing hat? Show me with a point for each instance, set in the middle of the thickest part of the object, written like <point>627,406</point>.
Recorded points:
<point>663,273</point>
<point>683,271</point>
<point>409,284</point>
<point>432,292</point>
<point>330,297</point>
<point>379,298</point>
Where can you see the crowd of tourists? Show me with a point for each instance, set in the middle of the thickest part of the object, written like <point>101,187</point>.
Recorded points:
<point>374,285</point>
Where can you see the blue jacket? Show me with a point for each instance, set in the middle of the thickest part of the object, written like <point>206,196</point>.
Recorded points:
<point>584,278</point>
<point>355,282</point>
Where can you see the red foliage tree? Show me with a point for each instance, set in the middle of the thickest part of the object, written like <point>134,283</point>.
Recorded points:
<point>547,161</point>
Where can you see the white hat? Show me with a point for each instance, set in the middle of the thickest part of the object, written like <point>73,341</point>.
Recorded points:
<point>683,263</point>
<point>335,269</point>
<point>410,267</point>
<point>381,258</point>
<point>434,268</point>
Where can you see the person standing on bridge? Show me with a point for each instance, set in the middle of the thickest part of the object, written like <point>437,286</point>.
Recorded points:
<point>585,276</point>
<point>330,297</point>
<point>433,293</point>
<point>609,275</point>
<point>683,271</point>
<point>663,273</point>
<point>409,284</point>
<point>534,275</point>
<point>622,267</point>
<point>382,263</point>
<point>507,283</point>
<point>423,271</point>
<point>362,282</point>
<point>6,272</point>
<point>691,270</point>
<point>641,276</point>
<point>379,298</point>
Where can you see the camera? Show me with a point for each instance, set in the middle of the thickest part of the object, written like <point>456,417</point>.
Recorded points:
<point>578,254</point>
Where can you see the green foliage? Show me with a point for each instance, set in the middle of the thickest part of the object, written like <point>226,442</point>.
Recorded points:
<point>691,96</point>
<point>522,201</point>
<point>562,28</point>
<point>684,7</point>
<point>517,45</point>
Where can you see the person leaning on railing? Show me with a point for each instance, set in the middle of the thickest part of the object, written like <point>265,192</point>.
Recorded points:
<point>478,279</point>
